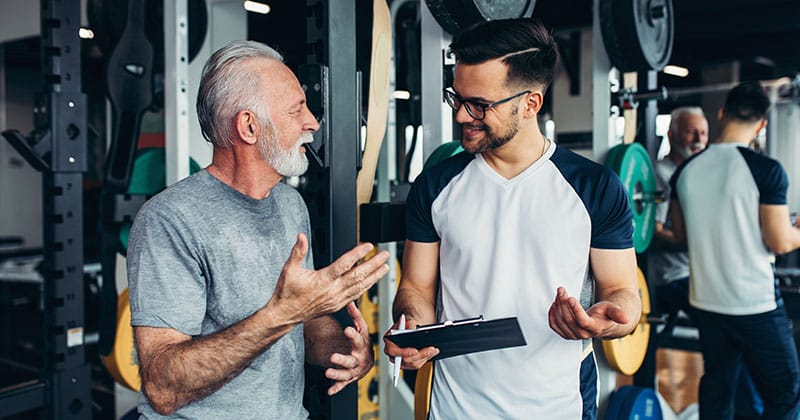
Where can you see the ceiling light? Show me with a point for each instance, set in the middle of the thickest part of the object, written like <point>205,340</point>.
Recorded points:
<point>402,94</point>
<point>85,33</point>
<point>256,7</point>
<point>676,70</point>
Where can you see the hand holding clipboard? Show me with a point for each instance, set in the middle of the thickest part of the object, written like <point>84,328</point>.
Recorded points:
<point>455,338</point>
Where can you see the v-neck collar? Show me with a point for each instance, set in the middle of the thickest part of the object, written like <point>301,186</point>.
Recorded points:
<point>501,180</point>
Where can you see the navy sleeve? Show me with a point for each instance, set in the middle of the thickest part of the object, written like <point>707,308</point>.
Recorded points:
<point>419,223</point>
<point>769,175</point>
<point>612,218</point>
<point>427,186</point>
<point>604,197</point>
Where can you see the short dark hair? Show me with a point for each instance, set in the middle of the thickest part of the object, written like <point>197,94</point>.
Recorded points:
<point>747,102</point>
<point>528,48</point>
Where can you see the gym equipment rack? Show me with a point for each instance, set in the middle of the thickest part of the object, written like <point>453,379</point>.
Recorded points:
<point>61,388</point>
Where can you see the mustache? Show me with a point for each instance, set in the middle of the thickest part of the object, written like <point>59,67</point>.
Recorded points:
<point>474,126</point>
<point>304,138</point>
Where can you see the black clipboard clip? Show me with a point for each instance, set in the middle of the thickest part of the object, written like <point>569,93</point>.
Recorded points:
<point>446,324</point>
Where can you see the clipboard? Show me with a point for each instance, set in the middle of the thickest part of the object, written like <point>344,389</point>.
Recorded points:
<point>454,338</point>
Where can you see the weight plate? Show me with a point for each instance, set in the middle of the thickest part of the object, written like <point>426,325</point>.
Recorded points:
<point>632,163</point>
<point>368,390</point>
<point>634,402</point>
<point>616,401</point>
<point>638,34</point>
<point>122,362</point>
<point>456,15</point>
<point>148,177</point>
<point>626,354</point>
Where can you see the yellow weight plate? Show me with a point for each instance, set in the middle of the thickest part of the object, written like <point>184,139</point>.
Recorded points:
<point>122,362</point>
<point>368,391</point>
<point>626,354</point>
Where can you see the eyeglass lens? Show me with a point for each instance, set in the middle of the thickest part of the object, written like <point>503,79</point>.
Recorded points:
<point>474,110</point>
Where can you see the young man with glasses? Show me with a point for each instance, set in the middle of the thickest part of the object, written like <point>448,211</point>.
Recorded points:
<point>504,227</point>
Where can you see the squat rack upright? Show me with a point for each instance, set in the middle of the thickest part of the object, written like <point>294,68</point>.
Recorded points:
<point>58,148</point>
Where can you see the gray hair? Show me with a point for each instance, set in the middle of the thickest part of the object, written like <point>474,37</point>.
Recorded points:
<point>226,88</point>
<point>677,113</point>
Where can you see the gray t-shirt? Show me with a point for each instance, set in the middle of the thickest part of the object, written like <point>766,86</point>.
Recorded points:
<point>670,265</point>
<point>203,256</point>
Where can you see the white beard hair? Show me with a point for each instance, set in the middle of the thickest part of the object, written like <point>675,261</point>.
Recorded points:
<point>288,162</point>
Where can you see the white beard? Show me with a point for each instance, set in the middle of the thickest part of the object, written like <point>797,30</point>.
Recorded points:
<point>687,151</point>
<point>286,162</point>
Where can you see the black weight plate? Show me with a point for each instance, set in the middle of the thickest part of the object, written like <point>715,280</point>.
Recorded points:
<point>456,15</point>
<point>638,34</point>
<point>656,29</point>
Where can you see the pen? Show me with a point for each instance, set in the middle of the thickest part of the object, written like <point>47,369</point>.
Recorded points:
<point>398,360</point>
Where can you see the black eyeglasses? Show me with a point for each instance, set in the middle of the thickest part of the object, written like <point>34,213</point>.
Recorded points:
<point>475,109</point>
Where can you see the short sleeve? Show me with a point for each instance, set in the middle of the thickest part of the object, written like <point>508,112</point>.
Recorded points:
<point>612,218</point>
<point>167,286</point>
<point>770,178</point>
<point>419,221</point>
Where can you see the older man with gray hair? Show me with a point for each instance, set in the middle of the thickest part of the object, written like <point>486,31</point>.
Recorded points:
<point>688,134</point>
<point>225,303</point>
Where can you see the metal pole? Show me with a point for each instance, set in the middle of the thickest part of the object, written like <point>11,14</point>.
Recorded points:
<point>332,182</point>
<point>69,378</point>
<point>437,118</point>
<point>176,87</point>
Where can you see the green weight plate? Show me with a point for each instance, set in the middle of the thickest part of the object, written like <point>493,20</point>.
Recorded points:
<point>148,177</point>
<point>444,151</point>
<point>632,163</point>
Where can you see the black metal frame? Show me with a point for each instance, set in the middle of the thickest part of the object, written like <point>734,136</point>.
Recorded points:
<point>331,83</point>
<point>57,147</point>
<point>647,112</point>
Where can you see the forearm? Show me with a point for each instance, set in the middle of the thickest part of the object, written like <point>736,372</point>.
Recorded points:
<point>631,304</point>
<point>414,304</point>
<point>664,239</point>
<point>323,337</point>
<point>180,373</point>
<point>787,242</point>
<point>778,230</point>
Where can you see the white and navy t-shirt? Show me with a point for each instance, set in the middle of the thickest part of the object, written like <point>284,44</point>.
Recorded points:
<point>505,246</point>
<point>720,190</point>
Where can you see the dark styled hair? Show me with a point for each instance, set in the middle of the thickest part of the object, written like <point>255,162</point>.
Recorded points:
<point>524,44</point>
<point>747,102</point>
